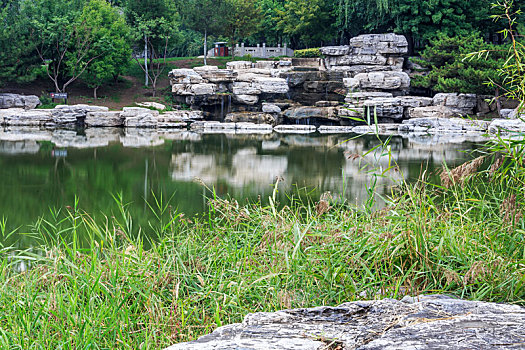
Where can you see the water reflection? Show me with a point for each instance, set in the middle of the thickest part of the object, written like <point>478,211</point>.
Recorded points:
<point>47,168</point>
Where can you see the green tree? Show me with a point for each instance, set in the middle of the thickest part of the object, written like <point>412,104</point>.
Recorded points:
<point>307,22</point>
<point>111,43</point>
<point>453,69</point>
<point>154,29</point>
<point>421,20</point>
<point>353,17</point>
<point>241,20</point>
<point>205,17</point>
<point>18,59</point>
<point>64,44</point>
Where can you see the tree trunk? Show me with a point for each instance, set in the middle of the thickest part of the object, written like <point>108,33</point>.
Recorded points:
<point>95,92</point>
<point>498,102</point>
<point>205,45</point>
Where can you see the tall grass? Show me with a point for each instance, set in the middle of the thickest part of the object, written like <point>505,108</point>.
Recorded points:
<point>101,285</point>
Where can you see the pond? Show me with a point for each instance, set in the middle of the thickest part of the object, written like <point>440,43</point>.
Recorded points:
<point>43,169</point>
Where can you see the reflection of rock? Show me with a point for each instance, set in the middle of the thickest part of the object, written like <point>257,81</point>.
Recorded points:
<point>19,147</point>
<point>247,168</point>
<point>93,138</point>
<point>136,138</point>
<point>24,133</point>
<point>291,129</point>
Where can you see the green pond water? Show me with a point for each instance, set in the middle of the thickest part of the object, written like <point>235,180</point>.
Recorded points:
<point>39,173</point>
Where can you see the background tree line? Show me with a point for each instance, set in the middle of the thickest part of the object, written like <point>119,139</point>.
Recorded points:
<point>94,40</point>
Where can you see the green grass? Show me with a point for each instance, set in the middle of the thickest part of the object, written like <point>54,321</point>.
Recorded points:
<point>100,285</point>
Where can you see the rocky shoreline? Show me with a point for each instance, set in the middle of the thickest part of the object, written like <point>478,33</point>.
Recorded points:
<point>425,322</point>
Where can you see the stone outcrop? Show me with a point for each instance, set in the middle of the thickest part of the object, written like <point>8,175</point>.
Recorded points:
<point>505,126</point>
<point>241,84</point>
<point>18,101</point>
<point>426,322</point>
<point>367,75</point>
<point>463,104</point>
<point>96,116</point>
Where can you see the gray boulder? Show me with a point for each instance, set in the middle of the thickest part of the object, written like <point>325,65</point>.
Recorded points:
<point>506,126</point>
<point>250,117</point>
<point>19,101</point>
<point>381,43</point>
<point>270,108</point>
<point>464,104</point>
<point>431,112</point>
<point>22,117</point>
<point>104,119</point>
<point>424,323</point>
<point>383,80</point>
<point>306,112</point>
<point>246,99</point>
<point>335,50</point>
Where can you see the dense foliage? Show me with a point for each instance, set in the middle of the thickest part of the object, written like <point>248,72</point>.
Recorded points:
<point>63,40</point>
<point>308,53</point>
<point>452,70</point>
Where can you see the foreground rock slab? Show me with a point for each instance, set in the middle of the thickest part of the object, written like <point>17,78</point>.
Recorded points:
<point>427,322</point>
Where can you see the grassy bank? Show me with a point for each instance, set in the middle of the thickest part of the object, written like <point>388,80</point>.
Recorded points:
<point>464,238</point>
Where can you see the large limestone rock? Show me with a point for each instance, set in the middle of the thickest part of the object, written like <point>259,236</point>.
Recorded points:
<point>238,65</point>
<point>384,107</point>
<point>129,112</point>
<point>351,60</point>
<point>185,76</point>
<point>505,126</point>
<point>379,43</point>
<point>194,89</point>
<point>246,99</point>
<point>22,117</point>
<point>424,323</point>
<point>250,117</point>
<point>19,101</point>
<point>271,85</point>
<point>463,104</point>
<point>358,98</point>
<point>383,80</point>
<point>245,88</point>
<point>431,112</point>
<point>307,112</point>
<point>143,120</point>
<point>104,119</point>
<point>335,50</point>
<point>219,75</point>
<point>73,114</point>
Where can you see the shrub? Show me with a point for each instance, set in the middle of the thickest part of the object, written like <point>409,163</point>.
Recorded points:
<point>452,70</point>
<point>308,53</point>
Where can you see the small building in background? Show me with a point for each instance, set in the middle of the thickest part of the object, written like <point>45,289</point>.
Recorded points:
<point>221,49</point>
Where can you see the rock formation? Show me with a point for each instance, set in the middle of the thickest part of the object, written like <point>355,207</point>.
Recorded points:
<point>96,116</point>
<point>363,80</point>
<point>18,101</point>
<point>427,322</point>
